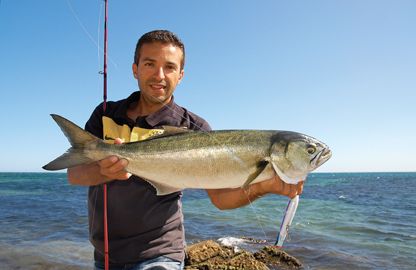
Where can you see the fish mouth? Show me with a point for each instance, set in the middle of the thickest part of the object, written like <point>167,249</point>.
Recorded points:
<point>321,157</point>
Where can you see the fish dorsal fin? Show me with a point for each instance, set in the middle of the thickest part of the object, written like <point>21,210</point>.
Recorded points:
<point>170,131</point>
<point>261,165</point>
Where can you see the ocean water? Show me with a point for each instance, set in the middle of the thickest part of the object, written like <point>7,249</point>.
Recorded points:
<point>344,221</point>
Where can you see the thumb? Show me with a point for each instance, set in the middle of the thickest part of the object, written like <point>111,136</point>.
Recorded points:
<point>118,141</point>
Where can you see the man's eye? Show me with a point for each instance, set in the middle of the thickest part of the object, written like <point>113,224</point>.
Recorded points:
<point>148,64</point>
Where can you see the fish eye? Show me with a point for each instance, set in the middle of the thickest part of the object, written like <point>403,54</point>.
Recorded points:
<point>311,149</point>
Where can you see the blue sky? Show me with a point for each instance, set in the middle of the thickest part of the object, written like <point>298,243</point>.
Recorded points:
<point>340,71</point>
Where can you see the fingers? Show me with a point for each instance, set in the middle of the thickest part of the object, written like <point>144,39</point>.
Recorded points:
<point>108,162</point>
<point>113,167</point>
<point>300,187</point>
<point>118,141</point>
<point>294,190</point>
<point>289,190</point>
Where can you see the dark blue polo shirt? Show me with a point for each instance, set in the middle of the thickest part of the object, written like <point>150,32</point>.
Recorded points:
<point>141,225</point>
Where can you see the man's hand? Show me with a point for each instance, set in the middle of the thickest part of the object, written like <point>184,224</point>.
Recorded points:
<point>237,197</point>
<point>113,167</point>
<point>99,172</point>
<point>278,186</point>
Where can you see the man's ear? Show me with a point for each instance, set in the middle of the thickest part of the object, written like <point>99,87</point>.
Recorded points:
<point>182,73</point>
<point>135,70</point>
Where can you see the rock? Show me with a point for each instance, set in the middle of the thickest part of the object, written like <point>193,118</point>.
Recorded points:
<point>202,251</point>
<point>210,255</point>
<point>275,256</point>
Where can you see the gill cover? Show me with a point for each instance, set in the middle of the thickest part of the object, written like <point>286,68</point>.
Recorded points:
<point>288,157</point>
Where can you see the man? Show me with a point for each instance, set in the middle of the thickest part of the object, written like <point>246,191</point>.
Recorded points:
<point>146,230</point>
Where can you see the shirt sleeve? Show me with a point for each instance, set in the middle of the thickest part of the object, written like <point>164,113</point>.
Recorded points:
<point>205,126</point>
<point>94,124</point>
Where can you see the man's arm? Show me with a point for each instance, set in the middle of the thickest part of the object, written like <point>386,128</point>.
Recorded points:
<point>99,172</point>
<point>237,197</point>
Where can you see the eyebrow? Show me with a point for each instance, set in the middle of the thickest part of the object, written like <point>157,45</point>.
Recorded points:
<point>153,60</point>
<point>149,59</point>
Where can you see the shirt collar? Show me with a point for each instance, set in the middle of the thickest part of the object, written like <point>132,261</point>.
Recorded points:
<point>170,114</point>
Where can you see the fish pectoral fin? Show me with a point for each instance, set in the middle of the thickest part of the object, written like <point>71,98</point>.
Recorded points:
<point>162,189</point>
<point>261,165</point>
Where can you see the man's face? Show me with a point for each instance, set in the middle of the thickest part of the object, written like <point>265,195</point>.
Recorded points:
<point>158,71</point>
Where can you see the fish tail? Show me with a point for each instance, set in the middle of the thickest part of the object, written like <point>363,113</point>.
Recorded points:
<point>78,139</point>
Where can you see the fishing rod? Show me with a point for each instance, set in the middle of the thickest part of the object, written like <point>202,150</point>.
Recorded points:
<point>104,73</point>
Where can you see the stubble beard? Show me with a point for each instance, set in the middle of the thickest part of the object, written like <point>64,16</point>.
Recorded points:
<point>151,98</point>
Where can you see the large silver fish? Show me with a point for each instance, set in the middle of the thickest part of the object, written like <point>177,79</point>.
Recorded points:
<point>180,159</point>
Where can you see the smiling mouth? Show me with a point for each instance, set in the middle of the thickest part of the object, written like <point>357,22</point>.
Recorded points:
<point>158,86</point>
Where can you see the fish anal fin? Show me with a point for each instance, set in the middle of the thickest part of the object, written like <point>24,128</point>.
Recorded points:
<point>261,165</point>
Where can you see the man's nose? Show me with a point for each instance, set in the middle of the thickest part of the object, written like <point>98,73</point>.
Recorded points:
<point>160,73</point>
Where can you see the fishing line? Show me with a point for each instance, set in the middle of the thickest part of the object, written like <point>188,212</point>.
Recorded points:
<point>255,212</point>
<point>98,34</point>
<point>73,12</point>
<point>98,59</point>
<point>95,192</point>
<point>234,155</point>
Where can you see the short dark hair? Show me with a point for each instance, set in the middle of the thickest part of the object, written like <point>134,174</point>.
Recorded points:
<point>163,36</point>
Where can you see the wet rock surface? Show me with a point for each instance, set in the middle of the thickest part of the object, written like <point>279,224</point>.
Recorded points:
<point>210,255</point>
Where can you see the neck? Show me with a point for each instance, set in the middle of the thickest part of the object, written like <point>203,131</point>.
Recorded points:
<point>144,107</point>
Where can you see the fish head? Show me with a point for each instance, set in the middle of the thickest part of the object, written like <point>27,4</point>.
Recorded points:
<point>293,155</point>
